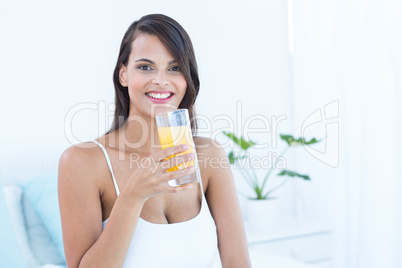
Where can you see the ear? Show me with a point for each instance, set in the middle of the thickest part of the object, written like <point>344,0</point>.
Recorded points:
<point>123,76</point>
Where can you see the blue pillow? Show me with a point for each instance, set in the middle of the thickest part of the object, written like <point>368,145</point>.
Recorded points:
<point>41,193</point>
<point>10,253</point>
<point>42,244</point>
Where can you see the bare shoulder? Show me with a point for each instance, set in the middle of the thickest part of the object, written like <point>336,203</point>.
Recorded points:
<point>208,146</point>
<point>79,151</point>
<point>79,154</point>
<point>211,154</point>
<point>81,160</point>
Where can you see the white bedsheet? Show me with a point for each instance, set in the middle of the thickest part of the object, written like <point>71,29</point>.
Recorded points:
<point>260,259</point>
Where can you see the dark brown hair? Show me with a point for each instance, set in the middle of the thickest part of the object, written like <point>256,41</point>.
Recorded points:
<point>178,43</point>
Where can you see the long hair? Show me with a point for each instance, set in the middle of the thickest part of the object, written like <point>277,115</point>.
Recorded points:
<point>178,43</point>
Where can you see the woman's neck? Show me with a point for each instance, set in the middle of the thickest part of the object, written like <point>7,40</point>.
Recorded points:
<point>139,136</point>
<point>142,135</point>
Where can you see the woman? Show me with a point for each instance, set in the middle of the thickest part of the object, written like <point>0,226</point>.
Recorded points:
<point>118,211</point>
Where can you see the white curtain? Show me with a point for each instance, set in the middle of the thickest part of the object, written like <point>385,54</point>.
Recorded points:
<point>351,51</point>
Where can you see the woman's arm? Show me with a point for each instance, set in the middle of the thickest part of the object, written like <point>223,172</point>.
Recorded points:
<point>224,205</point>
<point>85,244</point>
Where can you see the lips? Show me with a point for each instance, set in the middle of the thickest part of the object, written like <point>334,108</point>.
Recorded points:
<point>159,96</point>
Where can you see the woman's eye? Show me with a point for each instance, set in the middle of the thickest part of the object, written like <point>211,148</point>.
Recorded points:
<point>175,69</point>
<point>145,68</point>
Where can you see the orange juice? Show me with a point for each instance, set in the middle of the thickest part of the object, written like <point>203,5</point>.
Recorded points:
<point>175,135</point>
<point>174,129</point>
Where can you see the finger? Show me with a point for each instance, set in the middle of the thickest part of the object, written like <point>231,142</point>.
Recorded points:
<point>165,153</point>
<point>177,189</point>
<point>176,161</point>
<point>177,174</point>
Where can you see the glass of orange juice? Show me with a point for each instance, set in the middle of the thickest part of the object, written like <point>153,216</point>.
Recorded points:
<point>174,129</point>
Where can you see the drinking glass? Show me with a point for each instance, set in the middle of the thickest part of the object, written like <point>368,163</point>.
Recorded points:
<point>174,128</point>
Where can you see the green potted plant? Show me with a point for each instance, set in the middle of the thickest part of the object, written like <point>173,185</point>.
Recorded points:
<point>261,192</point>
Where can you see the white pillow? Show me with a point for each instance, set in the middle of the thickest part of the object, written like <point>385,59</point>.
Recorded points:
<point>13,199</point>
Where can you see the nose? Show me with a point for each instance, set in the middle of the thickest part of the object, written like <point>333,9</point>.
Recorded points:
<point>161,79</point>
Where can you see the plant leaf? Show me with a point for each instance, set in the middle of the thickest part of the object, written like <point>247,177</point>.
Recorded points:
<point>258,192</point>
<point>233,158</point>
<point>291,141</point>
<point>293,174</point>
<point>239,141</point>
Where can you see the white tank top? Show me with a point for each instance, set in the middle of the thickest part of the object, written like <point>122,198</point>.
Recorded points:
<point>191,243</point>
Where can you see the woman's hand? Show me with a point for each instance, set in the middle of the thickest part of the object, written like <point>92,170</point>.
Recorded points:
<point>151,178</point>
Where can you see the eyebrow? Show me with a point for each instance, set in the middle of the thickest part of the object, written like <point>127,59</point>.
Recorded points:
<point>151,62</point>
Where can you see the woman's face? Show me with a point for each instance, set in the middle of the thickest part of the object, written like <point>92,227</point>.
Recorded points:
<point>153,77</point>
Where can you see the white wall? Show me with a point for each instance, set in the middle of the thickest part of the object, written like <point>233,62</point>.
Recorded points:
<point>54,56</point>
<point>350,51</point>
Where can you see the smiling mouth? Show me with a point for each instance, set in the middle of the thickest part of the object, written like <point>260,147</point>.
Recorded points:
<point>158,96</point>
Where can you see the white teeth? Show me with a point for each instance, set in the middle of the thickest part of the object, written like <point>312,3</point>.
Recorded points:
<point>159,96</point>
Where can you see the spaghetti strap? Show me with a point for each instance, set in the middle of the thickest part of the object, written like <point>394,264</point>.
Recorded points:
<point>110,166</point>
<point>199,177</point>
